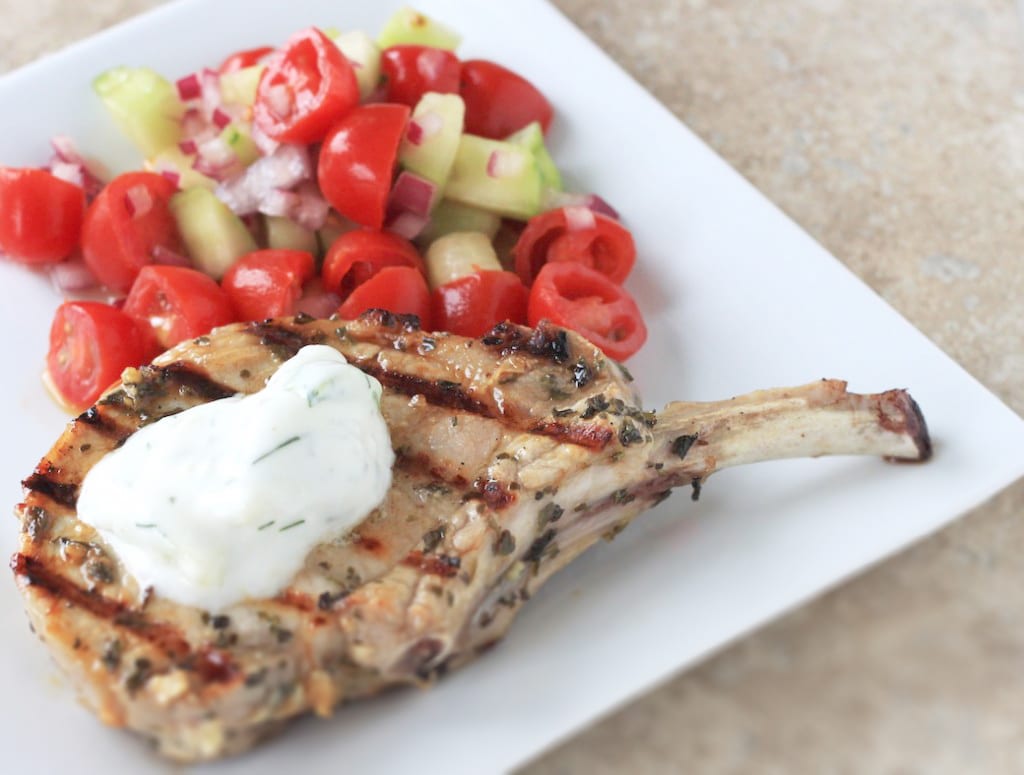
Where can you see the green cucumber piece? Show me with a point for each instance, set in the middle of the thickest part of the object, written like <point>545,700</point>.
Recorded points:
<point>409,26</point>
<point>515,188</point>
<point>448,217</point>
<point>144,105</point>
<point>531,136</point>
<point>239,87</point>
<point>285,234</point>
<point>172,159</point>
<point>457,255</point>
<point>214,236</point>
<point>238,138</point>
<point>441,116</point>
<point>364,54</point>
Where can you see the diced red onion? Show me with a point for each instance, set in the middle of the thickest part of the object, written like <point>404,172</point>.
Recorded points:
<point>221,118</point>
<point>71,276</point>
<point>319,304</point>
<point>424,127</point>
<point>407,224</point>
<point>195,127</point>
<point>173,176</point>
<point>189,87</point>
<point>285,168</point>
<point>138,201</point>
<point>167,257</point>
<point>189,147</point>
<point>579,217</point>
<point>71,173</point>
<point>64,147</point>
<point>412,193</point>
<point>278,202</point>
<point>266,144</point>
<point>555,199</point>
<point>210,86</point>
<point>503,164</point>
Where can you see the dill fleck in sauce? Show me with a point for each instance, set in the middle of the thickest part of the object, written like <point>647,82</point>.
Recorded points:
<point>223,501</point>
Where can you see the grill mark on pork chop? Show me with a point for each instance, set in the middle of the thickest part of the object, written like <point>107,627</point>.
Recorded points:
<point>443,565</point>
<point>447,394</point>
<point>595,437</point>
<point>43,483</point>
<point>39,575</point>
<point>188,380</point>
<point>102,423</point>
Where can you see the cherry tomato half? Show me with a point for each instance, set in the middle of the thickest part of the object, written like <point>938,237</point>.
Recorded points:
<point>500,102</point>
<point>356,256</point>
<point>472,305</point>
<point>411,71</point>
<point>177,303</point>
<point>123,226</point>
<point>267,283</point>
<point>243,59</point>
<point>577,297</point>
<point>90,345</point>
<point>307,86</point>
<point>357,161</point>
<point>399,289</point>
<point>40,215</point>
<point>575,234</point>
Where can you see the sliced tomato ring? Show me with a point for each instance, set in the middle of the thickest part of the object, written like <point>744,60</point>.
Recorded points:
<point>582,299</point>
<point>91,343</point>
<point>399,289</point>
<point>358,255</point>
<point>575,234</point>
<point>473,304</point>
<point>177,303</point>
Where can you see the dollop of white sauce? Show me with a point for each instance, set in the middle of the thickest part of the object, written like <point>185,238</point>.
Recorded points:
<point>225,500</point>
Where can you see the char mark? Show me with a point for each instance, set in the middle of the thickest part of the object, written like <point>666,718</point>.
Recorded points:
<point>42,482</point>
<point>282,341</point>
<point>443,565</point>
<point>546,341</point>
<point>595,437</point>
<point>385,319</point>
<point>101,423</point>
<point>438,393</point>
<point>899,413</point>
<point>191,381</point>
<point>39,575</point>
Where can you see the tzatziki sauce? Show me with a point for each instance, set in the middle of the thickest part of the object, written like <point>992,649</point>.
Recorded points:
<point>224,501</point>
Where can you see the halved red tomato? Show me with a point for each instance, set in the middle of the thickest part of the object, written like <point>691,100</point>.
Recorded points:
<point>475,303</point>
<point>40,216</point>
<point>575,234</point>
<point>357,161</point>
<point>307,86</point>
<point>267,283</point>
<point>243,59</point>
<point>411,71</point>
<point>91,343</point>
<point>582,299</point>
<point>177,303</point>
<point>126,225</point>
<point>499,101</point>
<point>356,256</point>
<point>399,289</point>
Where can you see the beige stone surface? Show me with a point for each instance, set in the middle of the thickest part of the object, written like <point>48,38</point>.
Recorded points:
<point>894,133</point>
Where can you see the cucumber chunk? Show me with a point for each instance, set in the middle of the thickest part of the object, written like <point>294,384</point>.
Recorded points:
<point>144,105</point>
<point>459,254</point>
<point>409,26</point>
<point>531,137</point>
<point>437,121</point>
<point>285,234</point>
<point>363,53</point>
<point>448,216</point>
<point>496,176</point>
<point>214,236</point>
<point>239,87</point>
<point>175,161</point>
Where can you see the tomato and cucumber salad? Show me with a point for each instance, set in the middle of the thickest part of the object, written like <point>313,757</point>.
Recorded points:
<point>333,174</point>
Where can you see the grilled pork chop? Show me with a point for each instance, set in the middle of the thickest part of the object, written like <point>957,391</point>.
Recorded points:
<point>515,452</point>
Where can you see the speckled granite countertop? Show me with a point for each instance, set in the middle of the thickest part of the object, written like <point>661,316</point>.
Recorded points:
<point>894,134</point>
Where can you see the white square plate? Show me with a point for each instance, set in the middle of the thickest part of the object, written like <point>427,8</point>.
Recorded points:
<point>737,297</point>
